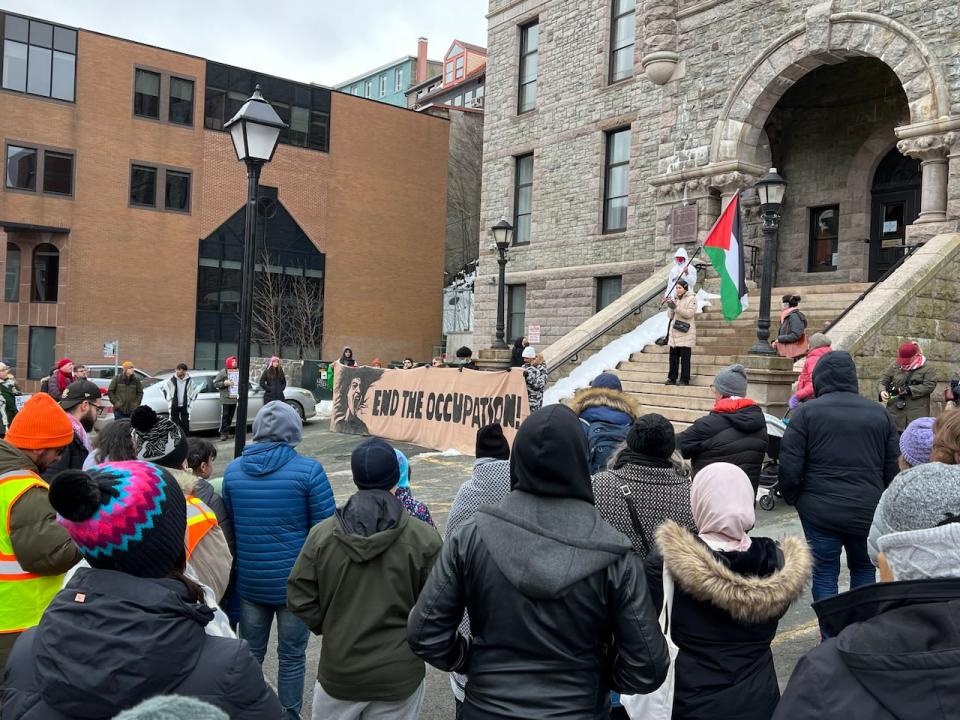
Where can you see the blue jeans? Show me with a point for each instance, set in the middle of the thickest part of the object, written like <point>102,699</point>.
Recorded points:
<point>292,637</point>
<point>825,546</point>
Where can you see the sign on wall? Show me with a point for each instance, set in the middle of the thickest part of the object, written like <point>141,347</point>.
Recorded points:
<point>533,334</point>
<point>683,224</point>
<point>438,408</point>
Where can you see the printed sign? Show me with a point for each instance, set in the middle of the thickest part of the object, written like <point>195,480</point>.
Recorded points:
<point>21,400</point>
<point>110,349</point>
<point>683,224</point>
<point>890,226</point>
<point>438,408</point>
<point>234,377</point>
<point>892,243</point>
<point>533,334</point>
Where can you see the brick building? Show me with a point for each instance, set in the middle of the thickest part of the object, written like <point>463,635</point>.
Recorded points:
<point>121,194</point>
<point>603,118</point>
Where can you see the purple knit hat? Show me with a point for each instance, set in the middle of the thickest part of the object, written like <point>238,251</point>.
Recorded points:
<point>127,516</point>
<point>916,443</point>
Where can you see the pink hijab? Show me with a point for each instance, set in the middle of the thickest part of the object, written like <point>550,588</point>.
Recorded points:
<point>721,500</point>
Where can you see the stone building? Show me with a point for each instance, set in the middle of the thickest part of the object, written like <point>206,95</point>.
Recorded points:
<point>604,118</point>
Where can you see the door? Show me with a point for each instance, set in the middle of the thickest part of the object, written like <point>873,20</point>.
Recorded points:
<point>895,205</point>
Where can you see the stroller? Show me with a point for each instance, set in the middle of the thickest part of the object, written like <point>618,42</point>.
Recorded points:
<point>770,474</point>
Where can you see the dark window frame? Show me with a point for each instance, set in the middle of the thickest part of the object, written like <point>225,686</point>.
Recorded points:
<point>517,186</point>
<point>614,18</point>
<point>55,285</point>
<point>812,240</point>
<point>160,188</point>
<point>6,273</point>
<point>524,54</point>
<point>53,48</point>
<point>41,151</point>
<point>163,102</point>
<point>137,72</point>
<point>608,167</point>
<point>44,368</point>
<point>7,358</point>
<point>598,290</point>
<point>511,312</point>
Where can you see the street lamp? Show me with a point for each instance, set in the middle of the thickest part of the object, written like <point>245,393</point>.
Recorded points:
<point>771,190</point>
<point>255,131</point>
<point>502,235</point>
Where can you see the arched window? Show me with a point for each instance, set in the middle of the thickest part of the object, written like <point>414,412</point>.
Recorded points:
<point>11,284</point>
<point>46,274</point>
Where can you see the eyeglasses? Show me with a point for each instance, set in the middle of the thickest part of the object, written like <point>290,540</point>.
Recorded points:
<point>100,409</point>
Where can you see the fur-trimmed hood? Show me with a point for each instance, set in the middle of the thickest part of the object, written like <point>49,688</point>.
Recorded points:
<point>748,599</point>
<point>605,398</point>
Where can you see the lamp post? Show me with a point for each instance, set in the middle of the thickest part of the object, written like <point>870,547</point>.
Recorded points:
<point>502,235</point>
<point>255,131</point>
<point>771,190</point>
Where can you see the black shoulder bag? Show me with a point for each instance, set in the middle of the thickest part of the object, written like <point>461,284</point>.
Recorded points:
<point>635,517</point>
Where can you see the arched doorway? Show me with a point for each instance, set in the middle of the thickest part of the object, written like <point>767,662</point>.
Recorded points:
<point>895,204</point>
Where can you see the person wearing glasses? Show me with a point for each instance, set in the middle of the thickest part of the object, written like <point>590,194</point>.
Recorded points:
<point>82,401</point>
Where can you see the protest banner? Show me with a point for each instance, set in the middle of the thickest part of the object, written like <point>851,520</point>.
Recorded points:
<point>234,377</point>
<point>438,408</point>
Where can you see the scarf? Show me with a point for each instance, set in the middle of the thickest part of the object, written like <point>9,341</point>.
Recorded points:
<point>721,500</point>
<point>80,432</point>
<point>631,457</point>
<point>732,404</point>
<point>915,363</point>
<point>787,312</point>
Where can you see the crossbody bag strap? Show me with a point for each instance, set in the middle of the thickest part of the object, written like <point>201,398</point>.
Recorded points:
<point>635,517</point>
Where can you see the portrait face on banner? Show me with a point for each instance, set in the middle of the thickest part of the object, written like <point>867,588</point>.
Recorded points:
<point>350,398</point>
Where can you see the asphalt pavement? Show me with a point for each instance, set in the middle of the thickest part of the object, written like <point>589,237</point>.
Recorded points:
<point>435,478</point>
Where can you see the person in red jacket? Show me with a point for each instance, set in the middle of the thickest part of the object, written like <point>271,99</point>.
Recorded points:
<point>819,346</point>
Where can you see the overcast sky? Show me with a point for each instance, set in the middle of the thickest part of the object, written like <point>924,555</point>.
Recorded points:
<point>323,41</point>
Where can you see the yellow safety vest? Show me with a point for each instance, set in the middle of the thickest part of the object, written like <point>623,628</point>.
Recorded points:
<point>200,521</point>
<point>23,595</point>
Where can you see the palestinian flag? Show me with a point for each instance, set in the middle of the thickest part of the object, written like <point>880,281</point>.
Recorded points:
<point>725,250</point>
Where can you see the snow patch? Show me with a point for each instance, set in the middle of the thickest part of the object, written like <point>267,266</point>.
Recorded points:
<point>446,453</point>
<point>325,409</point>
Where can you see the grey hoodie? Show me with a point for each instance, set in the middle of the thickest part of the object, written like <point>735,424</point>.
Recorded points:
<point>277,422</point>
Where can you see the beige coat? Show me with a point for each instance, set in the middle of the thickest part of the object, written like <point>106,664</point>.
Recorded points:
<point>685,311</point>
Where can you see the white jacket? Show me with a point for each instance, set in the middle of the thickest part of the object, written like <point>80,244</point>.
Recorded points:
<point>690,275</point>
<point>169,390</point>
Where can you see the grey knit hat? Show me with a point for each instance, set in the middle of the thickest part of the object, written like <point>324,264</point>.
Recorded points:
<point>173,707</point>
<point>819,340</point>
<point>731,381</point>
<point>920,498</point>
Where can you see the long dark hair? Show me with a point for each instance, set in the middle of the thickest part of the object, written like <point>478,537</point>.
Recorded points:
<point>114,443</point>
<point>275,373</point>
<point>791,300</point>
<point>192,586</point>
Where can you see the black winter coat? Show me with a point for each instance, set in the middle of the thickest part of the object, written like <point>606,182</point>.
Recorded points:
<point>897,656</point>
<point>793,328</point>
<point>738,437</point>
<point>72,459</point>
<point>726,608</point>
<point>110,640</point>
<point>839,451</point>
<point>273,387</point>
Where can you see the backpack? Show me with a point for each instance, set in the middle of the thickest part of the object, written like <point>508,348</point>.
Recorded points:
<point>603,438</point>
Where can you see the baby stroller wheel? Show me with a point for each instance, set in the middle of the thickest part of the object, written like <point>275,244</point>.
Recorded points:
<point>767,502</point>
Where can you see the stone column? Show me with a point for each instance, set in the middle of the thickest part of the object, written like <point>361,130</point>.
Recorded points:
<point>931,150</point>
<point>953,176</point>
<point>660,56</point>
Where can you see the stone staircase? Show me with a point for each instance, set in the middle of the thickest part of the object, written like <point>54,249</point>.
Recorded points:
<point>720,344</point>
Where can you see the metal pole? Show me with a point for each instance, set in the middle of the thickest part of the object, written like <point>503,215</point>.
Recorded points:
<point>246,304</point>
<point>762,346</point>
<point>501,291</point>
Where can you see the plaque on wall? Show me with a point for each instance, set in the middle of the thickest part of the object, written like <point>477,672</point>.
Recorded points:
<point>683,224</point>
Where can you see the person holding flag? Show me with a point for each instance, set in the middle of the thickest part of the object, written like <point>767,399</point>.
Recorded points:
<point>724,247</point>
<point>682,268</point>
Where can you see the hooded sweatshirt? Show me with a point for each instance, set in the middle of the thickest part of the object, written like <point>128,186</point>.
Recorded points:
<point>675,271</point>
<point>354,583</point>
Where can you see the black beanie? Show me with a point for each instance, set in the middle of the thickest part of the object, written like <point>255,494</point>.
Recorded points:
<point>375,466</point>
<point>491,443</point>
<point>652,435</point>
<point>158,439</point>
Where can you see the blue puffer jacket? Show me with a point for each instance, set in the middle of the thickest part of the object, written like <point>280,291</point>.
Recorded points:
<point>274,496</point>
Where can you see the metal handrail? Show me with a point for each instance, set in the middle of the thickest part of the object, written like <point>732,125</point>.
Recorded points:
<point>910,249</point>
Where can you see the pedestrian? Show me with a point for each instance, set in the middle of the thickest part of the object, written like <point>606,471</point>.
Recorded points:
<point>893,646</point>
<point>643,487</point>
<point>557,601</point>
<point>114,443</point>
<point>159,440</point>
<point>82,402</point>
<point>735,431</point>
<point>180,392</point>
<point>36,550</point>
<point>952,393</point>
<point>729,592</point>
<point>682,335</point>
<point>272,381</point>
<point>916,443</point>
<point>682,269</point>
<point>407,364</point>
<point>274,496</point>
<point>792,339</point>
<point>354,583</point>
<point>906,385</point>
<point>223,382</point>
<point>346,358</point>
<point>818,347</point>
<point>516,353</point>
<point>437,362</point>
<point>9,392</point>
<point>489,484</point>
<point>125,392</point>
<point>946,438</point>
<point>465,358</point>
<point>535,375</point>
<point>60,377</point>
<point>404,494</point>
<point>606,413</point>
<point>81,372</point>
<point>131,625</point>
<point>837,455</point>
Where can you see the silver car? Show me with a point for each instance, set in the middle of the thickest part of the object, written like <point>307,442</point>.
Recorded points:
<point>206,409</point>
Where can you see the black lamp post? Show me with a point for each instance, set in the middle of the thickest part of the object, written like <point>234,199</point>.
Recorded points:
<point>502,235</point>
<point>771,190</point>
<point>255,131</point>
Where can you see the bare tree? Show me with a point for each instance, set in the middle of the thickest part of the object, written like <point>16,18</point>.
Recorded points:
<point>464,171</point>
<point>303,312</point>
<point>267,326</point>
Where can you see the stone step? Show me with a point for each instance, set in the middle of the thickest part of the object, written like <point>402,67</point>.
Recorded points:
<point>645,358</point>
<point>676,402</point>
<point>835,289</point>
<point>658,376</point>
<point>674,415</point>
<point>643,390</point>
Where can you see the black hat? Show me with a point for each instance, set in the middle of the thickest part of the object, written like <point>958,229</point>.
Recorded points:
<point>652,435</point>
<point>375,466</point>
<point>491,443</point>
<point>158,439</point>
<point>464,352</point>
<point>76,392</point>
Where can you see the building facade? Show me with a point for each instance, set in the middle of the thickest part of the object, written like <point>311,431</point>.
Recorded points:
<point>121,196</point>
<point>389,83</point>
<point>671,107</point>
<point>460,81</point>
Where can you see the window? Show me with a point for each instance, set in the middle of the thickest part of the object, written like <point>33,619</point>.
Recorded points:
<point>529,43</point>
<point>460,65</point>
<point>181,101</point>
<point>448,78</point>
<point>10,346</point>
<point>174,182</point>
<point>146,94</point>
<point>616,185</point>
<point>458,101</point>
<point>46,274</point>
<point>39,58</point>
<point>468,98</point>
<point>42,352</point>
<point>383,85</point>
<point>26,164</point>
<point>516,311</point>
<point>480,91</point>
<point>608,290</point>
<point>368,88</point>
<point>11,282</point>
<point>824,234</point>
<point>522,199</point>
<point>177,192</point>
<point>398,80</point>
<point>143,186</point>
<point>356,90</point>
<point>623,26</point>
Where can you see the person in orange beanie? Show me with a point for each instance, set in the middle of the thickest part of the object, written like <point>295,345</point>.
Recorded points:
<point>35,551</point>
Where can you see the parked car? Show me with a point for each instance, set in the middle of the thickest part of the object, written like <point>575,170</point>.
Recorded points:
<point>206,410</point>
<point>106,372</point>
